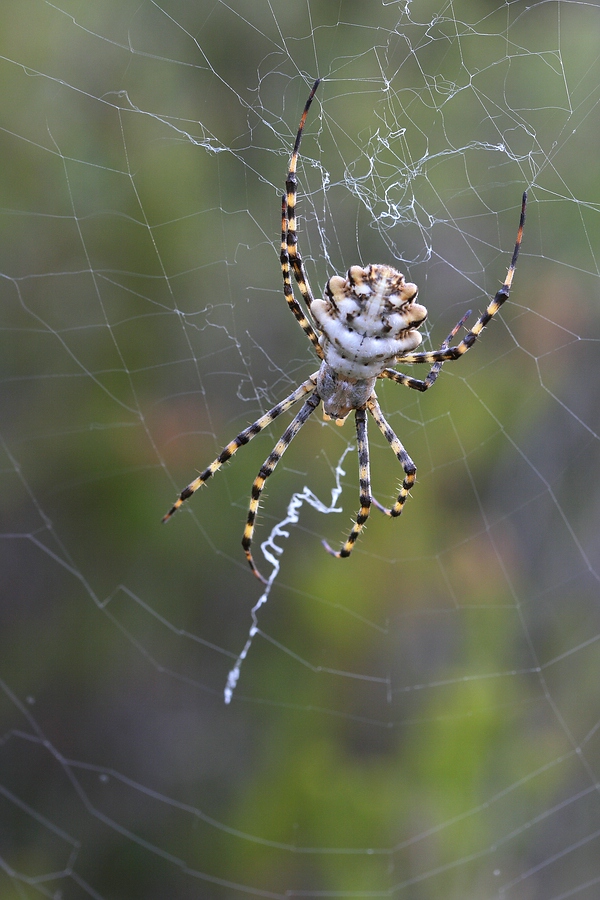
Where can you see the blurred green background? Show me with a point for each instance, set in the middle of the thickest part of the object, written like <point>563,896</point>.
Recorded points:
<point>420,720</point>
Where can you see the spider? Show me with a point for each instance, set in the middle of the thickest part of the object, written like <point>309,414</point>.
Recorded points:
<point>366,323</point>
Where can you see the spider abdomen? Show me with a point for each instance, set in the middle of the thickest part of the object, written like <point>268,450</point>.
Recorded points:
<point>366,320</point>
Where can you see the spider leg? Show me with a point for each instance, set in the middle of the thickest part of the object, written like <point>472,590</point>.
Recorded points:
<point>292,253</point>
<point>365,487</point>
<point>469,339</point>
<point>410,470</point>
<point>267,468</point>
<point>243,438</point>
<point>425,383</point>
<point>293,304</point>
<point>418,384</point>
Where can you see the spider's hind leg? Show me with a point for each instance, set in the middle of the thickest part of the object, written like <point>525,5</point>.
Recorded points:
<point>267,469</point>
<point>241,440</point>
<point>410,470</point>
<point>366,497</point>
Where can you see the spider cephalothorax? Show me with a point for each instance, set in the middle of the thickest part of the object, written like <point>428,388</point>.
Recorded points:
<point>364,326</point>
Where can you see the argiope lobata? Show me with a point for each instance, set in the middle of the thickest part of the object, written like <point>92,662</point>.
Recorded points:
<point>366,323</point>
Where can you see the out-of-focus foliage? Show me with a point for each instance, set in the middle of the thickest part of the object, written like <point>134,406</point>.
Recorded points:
<point>419,720</point>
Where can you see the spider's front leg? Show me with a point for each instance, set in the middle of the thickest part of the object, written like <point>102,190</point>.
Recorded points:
<point>423,384</point>
<point>446,353</point>
<point>290,252</point>
<point>306,326</point>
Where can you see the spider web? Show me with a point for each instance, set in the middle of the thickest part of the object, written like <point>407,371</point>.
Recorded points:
<point>422,719</point>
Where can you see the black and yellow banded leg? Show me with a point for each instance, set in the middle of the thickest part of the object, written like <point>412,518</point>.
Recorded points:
<point>365,488</point>
<point>469,339</point>
<point>424,384</point>
<point>410,470</point>
<point>292,252</point>
<point>417,384</point>
<point>293,304</point>
<point>243,438</point>
<point>267,469</point>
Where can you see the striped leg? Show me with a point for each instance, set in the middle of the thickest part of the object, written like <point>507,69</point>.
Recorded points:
<point>425,383</point>
<point>243,438</point>
<point>292,252</point>
<point>410,470</point>
<point>365,487</point>
<point>418,384</point>
<point>293,304</point>
<point>469,339</point>
<point>267,468</point>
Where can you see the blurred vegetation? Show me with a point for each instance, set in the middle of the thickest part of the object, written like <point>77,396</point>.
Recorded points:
<point>419,720</point>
